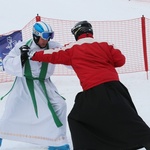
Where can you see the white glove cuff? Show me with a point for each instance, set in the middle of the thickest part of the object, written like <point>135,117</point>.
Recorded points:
<point>30,54</point>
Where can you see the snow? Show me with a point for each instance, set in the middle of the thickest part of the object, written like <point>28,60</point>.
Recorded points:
<point>16,14</point>
<point>137,84</point>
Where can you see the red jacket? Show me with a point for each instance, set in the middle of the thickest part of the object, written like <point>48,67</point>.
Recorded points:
<point>94,62</point>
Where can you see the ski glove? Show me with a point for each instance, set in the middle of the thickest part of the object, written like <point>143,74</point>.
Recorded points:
<point>24,53</point>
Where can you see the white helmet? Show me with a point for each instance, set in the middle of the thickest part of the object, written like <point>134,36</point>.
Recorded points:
<point>43,30</point>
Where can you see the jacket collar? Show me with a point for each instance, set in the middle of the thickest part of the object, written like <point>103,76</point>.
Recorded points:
<point>85,35</point>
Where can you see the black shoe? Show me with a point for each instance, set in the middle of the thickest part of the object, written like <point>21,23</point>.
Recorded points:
<point>147,146</point>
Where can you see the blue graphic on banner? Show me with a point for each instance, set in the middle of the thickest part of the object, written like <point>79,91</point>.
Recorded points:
<point>7,42</point>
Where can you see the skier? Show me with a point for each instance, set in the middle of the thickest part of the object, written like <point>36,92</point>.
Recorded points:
<point>35,112</point>
<point>104,116</point>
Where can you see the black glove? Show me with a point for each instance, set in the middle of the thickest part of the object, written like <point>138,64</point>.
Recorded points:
<point>24,53</point>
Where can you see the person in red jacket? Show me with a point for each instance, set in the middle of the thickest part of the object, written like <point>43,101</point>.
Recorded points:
<point>104,116</point>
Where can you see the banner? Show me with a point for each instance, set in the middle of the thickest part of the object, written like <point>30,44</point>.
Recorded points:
<point>7,42</point>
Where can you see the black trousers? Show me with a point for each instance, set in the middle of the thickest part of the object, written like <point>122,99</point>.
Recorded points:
<point>105,118</point>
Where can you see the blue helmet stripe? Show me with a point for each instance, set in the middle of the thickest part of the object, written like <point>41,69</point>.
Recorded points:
<point>46,26</point>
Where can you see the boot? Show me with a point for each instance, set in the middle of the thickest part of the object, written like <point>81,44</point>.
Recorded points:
<point>63,147</point>
<point>0,142</point>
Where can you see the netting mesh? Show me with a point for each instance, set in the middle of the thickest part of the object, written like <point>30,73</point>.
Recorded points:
<point>126,35</point>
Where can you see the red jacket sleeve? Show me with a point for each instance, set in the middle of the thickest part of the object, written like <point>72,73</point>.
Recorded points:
<point>118,57</point>
<point>60,57</point>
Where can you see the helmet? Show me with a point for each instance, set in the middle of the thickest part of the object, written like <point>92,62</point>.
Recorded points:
<point>80,28</point>
<point>43,30</point>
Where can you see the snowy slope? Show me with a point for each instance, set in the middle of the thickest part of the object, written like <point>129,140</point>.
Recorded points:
<point>16,14</point>
<point>137,84</point>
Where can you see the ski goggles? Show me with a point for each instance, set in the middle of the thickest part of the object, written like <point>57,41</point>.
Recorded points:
<point>46,35</point>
